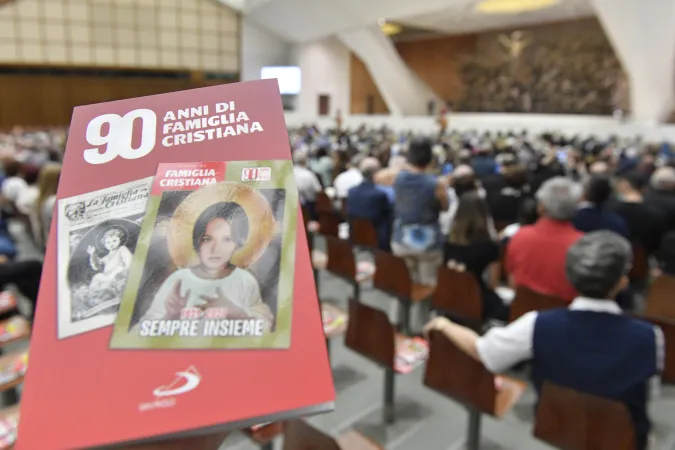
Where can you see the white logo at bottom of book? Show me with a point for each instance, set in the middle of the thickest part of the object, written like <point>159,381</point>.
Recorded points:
<point>185,381</point>
<point>256,174</point>
<point>165,395</point>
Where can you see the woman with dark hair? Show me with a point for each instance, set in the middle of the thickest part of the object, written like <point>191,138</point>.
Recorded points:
<point>419,199</point>
<point>214,282</point>
<point>506,199</point>
<point>471,247</point>
<point>527,215</point>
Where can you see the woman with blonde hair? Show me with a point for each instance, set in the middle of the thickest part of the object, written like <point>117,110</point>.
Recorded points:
<point>48,181</point>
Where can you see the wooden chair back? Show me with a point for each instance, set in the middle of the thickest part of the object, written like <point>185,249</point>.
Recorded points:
<point>392,275</point>
<point>667,325</point>
<point>527,300</point>
<point>456,375</point>
<point>640,269</point>
<point>571,420</point>
<point>363,233</point>
<point>323,204</point>
<point>660,299</point>
<point>370,334</point>
<point>458,293</point>
<point>299,435</point>
<point>329,224</point>
<point>341,260</point>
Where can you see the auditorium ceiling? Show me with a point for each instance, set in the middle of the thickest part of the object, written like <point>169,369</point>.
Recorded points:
<point>308,20</point>
<point>464,17</point>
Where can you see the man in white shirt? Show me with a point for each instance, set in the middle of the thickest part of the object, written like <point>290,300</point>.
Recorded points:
<point>350,178</point>
<point>307,182</point>
<point>590,347</point>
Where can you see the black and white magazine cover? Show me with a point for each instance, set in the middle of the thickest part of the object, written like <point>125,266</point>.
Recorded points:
<point>97,234</point>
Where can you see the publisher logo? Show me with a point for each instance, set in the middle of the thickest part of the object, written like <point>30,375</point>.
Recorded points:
<point>185,381</point>
<point>256,174</point>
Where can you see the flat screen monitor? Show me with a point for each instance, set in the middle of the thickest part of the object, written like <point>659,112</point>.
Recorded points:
<point>289,77</point>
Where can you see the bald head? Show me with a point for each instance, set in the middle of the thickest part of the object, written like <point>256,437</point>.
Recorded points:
<point>463,170</point>
<point>397,162</point>
<point>663,179</point>
<point>599,168</point>
<point>368,167</point>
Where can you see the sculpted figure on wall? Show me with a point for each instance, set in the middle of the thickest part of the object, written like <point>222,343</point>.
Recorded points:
<point>569,76</point>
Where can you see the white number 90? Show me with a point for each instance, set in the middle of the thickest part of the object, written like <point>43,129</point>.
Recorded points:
<point>117,142</point>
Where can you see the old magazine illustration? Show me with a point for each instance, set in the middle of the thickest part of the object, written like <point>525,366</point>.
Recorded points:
<point>97,234</point>
<point>215,260</point>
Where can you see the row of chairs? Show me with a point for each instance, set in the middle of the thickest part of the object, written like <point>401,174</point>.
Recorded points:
<point>458,293</point>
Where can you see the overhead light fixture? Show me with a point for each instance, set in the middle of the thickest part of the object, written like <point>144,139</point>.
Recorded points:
<point>389,28</point>
<point>513,6</point>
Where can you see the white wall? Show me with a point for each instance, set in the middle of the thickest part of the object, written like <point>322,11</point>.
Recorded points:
<point>259,48</point>
<point>325,66</point>
<point>599,126</point>
<point>643,36</point>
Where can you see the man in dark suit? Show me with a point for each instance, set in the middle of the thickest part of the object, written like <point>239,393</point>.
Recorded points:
<point>368,201</point>
<point>592,215</point>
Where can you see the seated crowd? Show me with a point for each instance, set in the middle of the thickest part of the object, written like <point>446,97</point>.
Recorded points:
<point>565,218</point>
<point>30,165</point>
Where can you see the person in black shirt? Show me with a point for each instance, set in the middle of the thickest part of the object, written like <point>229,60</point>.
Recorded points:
<point>471,246</point>
<point>645,225</point>
<point>505,203</point>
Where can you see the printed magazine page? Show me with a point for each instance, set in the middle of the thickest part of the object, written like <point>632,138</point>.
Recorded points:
<point>97,239</point>
<point>215,261</point>
<point>219,305</point>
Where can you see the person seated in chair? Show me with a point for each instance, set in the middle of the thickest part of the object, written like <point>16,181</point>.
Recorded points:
<point>367,201</point>
<point>590,347</point>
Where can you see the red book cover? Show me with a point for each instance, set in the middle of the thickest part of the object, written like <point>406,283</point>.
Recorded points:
<point>115,395</point>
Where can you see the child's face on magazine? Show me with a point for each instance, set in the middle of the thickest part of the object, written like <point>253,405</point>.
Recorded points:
<point>111,242</point>
<point>217,245</point>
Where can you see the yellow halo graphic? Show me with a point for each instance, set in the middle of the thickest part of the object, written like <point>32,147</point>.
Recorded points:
<point>261,222</point>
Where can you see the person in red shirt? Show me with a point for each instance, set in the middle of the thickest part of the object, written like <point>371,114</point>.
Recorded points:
<point>535,256</point>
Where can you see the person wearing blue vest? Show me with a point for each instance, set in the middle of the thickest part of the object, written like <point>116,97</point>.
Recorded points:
<point>590,347</point>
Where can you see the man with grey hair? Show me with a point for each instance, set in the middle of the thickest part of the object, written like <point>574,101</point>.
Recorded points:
<point>558,198</point>
<point>535,256</point>
<point>590,347</point>
<point>367,201</point>
<point>661,195</point>
<point>349,178</point>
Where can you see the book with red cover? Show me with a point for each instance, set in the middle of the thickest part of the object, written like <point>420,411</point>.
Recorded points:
<point>108,396</point>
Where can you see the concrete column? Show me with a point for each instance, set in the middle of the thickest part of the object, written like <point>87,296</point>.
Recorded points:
<point>642,33</point>
<point>403,91</point>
